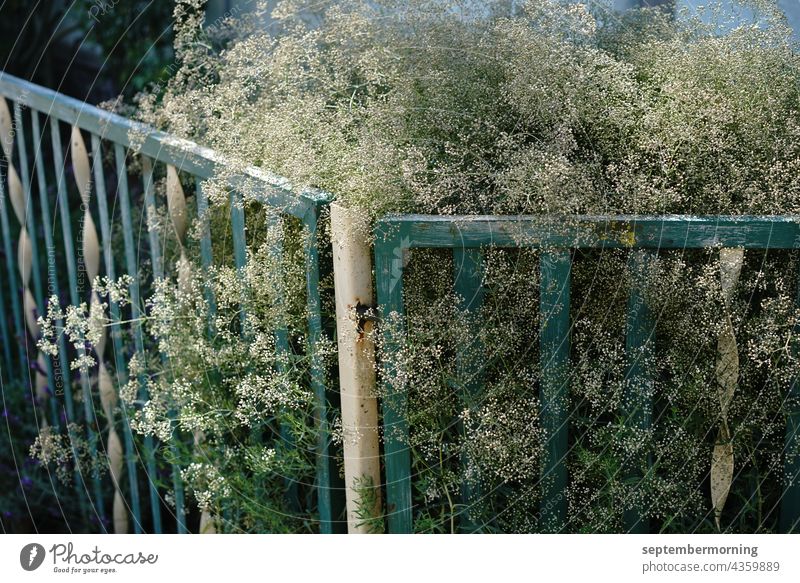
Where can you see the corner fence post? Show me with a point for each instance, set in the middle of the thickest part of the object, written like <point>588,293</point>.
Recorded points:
<point>352,270</point>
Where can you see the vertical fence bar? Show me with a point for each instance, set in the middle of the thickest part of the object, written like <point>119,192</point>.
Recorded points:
<point>237,230</point>
<point>317,374</point>
<point>207,523</point>
<point>329,487</point>
<point>158,273</point>
<point>468,279</point>
<point>790,496</point>
<point>206,251</point>
<point>4,332</point>
<point>136,318</point>
<point>63,206</point>
<point>239,245</point>
<point>16,196</point>
<point>150,210</point>
<point>5,130</point>
<point>56,367</point>
<point>30,217</point>
<point>554,346</point>
<point>116,333</point>
<point>638,391</point>
<point>12,286</point>
<point>389,252</point>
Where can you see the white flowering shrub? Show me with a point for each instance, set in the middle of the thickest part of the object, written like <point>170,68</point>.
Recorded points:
<point>230,410</point>
<point>217,380</point>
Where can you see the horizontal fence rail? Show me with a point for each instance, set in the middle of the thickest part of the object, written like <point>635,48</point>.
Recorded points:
<point>556,237</point>
<point>39,266</point>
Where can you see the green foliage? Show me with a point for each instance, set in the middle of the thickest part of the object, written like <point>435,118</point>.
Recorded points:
<point>93,49</point>
<point>367,497</point>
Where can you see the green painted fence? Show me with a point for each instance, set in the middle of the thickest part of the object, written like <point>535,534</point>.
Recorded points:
<point>556,237</point>
<point>57,268</point>
<point>39,264</point>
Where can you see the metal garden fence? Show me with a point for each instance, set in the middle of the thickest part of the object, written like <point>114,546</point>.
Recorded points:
<point>35,264</point>
<point>33,277</point>
<point>556,237</point>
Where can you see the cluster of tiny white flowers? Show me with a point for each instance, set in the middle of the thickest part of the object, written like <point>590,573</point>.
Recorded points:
<point>116,290</point>
<point>66,453</point>
<point>206,483</point>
